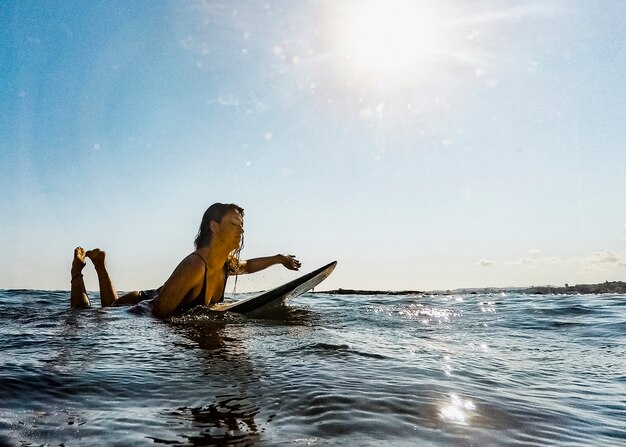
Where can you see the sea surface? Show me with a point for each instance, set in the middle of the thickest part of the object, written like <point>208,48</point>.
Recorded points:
<point>325,370</point>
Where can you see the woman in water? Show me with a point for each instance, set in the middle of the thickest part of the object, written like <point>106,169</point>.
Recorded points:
<point>200,278</point>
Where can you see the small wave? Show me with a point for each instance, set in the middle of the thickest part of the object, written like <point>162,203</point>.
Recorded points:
<point>565,324</point>
<point>336,350</point>
<point>614,328</point>
<point>555,308</point>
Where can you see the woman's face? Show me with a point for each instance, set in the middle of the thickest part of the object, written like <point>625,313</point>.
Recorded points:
<point>230,229</point>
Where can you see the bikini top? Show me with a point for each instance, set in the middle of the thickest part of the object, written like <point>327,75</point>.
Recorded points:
<point>200,299</point>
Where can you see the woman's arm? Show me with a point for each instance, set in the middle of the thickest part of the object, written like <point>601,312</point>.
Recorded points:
<point>257,264</point>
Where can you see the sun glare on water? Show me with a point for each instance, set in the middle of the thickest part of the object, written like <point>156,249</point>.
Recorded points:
<point>389,39</point>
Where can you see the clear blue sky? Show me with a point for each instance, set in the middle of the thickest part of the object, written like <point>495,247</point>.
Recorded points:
<point>475,144</point>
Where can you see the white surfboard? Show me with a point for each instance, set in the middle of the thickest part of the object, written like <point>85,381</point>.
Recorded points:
<point>289,290</point>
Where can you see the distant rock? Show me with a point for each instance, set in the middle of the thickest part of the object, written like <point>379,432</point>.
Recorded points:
<point>372,292</point>
<point>618,287</point>
<point>585,289</point>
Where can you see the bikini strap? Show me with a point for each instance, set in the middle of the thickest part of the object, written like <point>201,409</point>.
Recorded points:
<point>206,266</point>
<point>202,295</point>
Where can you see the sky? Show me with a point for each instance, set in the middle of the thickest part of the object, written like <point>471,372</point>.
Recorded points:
<point>422,145</point>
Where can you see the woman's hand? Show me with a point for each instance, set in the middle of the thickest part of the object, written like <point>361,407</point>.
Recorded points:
<point>290,262</point>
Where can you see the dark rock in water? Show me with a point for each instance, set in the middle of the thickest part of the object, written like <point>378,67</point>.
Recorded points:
<point>373,292</point>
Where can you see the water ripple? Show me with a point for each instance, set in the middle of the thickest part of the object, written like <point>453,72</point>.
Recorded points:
<point>325,370</point>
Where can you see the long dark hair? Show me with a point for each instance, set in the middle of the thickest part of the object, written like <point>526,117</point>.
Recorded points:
<point>214,213</point>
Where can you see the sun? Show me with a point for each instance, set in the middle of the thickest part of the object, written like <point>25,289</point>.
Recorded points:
<point>391,38</point>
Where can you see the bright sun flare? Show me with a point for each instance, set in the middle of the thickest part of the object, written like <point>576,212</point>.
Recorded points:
<point>390,38</point>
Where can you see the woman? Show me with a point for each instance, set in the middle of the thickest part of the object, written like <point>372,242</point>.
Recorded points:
<point>200,278</point>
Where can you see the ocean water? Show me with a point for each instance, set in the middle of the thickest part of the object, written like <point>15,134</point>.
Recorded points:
<point>328,370</point>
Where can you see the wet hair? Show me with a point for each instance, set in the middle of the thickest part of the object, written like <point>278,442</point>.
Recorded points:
<point>214,213</point>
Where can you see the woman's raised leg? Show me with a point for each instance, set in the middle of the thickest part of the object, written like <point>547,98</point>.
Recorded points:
<point>78,297</point>
<point>108,295</point>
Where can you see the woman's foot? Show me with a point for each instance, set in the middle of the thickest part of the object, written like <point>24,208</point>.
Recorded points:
<point>97,257</point>
<point>78,263</point>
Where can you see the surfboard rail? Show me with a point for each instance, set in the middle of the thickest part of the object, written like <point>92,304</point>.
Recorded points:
<point>286,291</point>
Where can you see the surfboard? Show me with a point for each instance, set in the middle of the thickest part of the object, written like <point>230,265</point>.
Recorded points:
<point>289,290</point>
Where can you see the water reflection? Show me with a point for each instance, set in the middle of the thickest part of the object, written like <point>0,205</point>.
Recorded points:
<point>224,411</point>
<point>447,367</point>
<point>458,410</point>
<point>77,340</point>
<point>229,421</point>
<point>489,306</point>
<point>417,311</point>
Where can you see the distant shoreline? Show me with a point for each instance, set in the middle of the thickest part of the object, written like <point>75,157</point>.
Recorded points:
<point>582,289</point>
<point>617,287</point>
